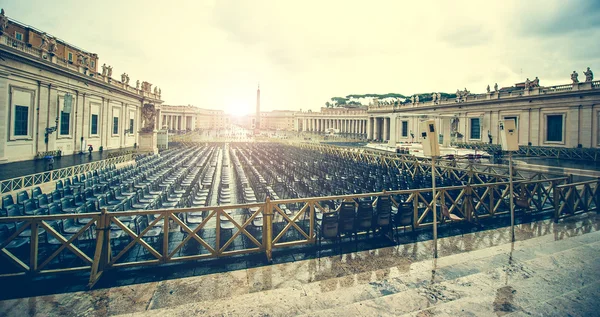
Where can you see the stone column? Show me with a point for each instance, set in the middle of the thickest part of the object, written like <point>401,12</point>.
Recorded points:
<point>386,129</point>
<point>369,125</point>
<point>446,131</point>
<point>393,132</point>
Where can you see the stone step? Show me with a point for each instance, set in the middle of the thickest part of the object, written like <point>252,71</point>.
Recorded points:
<point>515,287</point>
<point>382,287</point>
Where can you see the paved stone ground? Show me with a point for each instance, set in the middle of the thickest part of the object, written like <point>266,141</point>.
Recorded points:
<point>552,270</point>
<point>17,169</point>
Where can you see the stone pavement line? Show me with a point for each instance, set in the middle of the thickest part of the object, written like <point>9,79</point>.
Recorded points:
<point>409,288</point>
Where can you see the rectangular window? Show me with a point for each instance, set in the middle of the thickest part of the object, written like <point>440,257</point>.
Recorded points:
<point>70,57</point>
<point>130,126</point>
<point>475,129</point>
<point>65,120</point>
<point>21,120</point>
<point>404,129</point>
<point>18,36</point>
<point>94,124</point>
<point>554,128</point>
<point>93,64</point>
<point>115,125</point>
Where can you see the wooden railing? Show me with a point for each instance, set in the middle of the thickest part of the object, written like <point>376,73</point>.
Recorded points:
<point>105,241</point>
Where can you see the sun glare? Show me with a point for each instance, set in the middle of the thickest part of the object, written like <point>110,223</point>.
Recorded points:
<point>238,109</point>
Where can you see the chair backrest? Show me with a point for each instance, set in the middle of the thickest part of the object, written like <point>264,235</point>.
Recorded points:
<point>364,214</point>
<point>347,216</point>
<point>141,222</point>
<point>68,191</point>
<point>90,206</point>
<point>7,200</point>
<point>54,209</point>
<point>13,211</point>
<point>101,201</point>
<point>36,191</point>
<point>67,182</point>
<point>29,205</point>
<point>22,196</point>
<point>329,225</point>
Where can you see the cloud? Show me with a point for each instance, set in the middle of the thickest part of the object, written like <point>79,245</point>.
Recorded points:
<point>466,35</point>
<point>558,18</point>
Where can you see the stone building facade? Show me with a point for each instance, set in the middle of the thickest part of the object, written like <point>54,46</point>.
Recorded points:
<point>49,102</point>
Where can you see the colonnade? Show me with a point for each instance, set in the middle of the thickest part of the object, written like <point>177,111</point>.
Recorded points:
<point>177,122</point>
<point>353,126</point>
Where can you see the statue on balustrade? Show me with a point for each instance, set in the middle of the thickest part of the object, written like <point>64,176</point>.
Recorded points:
<point>159,92</point>
<point>3,22</point>
<point>412,99</point>
<point>433,97</point>
<point>80,59</point>
<point>439,97</point>
<point>44,45</point>
<point>496,87</point>
<point>127,79</point>
<point>574,77</point>
<point>86,60</point>
<point>148,115</point>
<point>488,89</point>
<point>535,83</point>
<point>156,90</point>
<point>417,99</point>
<point>527,84</point>
<point>589,76</point>
<point>104,70</point>
<point>109,71</point>
<point>123,77</point>
<point>454,125</point>
<point>52,46</point>
<point>458,95</point>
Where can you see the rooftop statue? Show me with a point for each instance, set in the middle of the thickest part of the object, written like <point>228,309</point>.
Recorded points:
<point>527,84</point>
<point>488,89</point>
<point>574,76</point>
<point>104,69</point>
<point>3,22</point>
<point>109,71</point>
<point>589,76</point>
<point>496,87</point>
<point>44,45</point>
<point>52,46</point>
<point>535,83</point>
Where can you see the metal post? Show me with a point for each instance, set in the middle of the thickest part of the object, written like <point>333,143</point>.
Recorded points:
<point>434,207</point>
<point>512,202</point>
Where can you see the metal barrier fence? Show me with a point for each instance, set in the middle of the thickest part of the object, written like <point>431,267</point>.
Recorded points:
<point>416,166</point>
<point>23,182</point>
<point>103,241</point>
<point>588,154</point>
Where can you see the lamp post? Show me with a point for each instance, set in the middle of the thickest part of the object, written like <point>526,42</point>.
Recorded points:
<point>49,131</point>
<point>510,142</point>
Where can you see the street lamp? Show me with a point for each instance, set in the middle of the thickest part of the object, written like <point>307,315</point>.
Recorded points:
<point>50,130</point>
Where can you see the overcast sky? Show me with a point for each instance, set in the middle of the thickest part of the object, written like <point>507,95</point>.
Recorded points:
<point>212,54</point>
